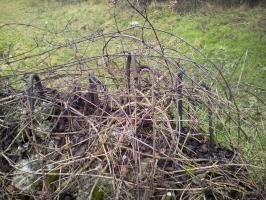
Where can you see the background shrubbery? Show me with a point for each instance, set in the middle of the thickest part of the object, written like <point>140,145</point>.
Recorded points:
<point>185,6</point>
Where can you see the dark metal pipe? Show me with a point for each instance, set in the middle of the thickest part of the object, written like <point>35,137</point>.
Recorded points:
<point>38,85</point>
<point>210,116</point>
<point>128,71</point>
<point>179,90</point>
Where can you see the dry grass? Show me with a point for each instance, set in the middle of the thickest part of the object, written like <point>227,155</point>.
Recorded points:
<point>135,122</point>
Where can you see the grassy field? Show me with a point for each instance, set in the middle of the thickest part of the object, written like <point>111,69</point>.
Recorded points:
<point>233,38</point>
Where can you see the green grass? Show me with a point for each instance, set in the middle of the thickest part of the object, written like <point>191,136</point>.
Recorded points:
<point>224,36</point>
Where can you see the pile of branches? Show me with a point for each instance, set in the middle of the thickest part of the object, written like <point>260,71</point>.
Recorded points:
<point>132,124</point>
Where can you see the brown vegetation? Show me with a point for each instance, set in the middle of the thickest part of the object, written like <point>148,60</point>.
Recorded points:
<point>124,125</point>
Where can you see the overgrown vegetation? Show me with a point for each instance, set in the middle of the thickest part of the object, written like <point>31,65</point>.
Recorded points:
<point>138,125</point>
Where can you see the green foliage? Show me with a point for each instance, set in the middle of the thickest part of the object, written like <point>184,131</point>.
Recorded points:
<point>98,192</point>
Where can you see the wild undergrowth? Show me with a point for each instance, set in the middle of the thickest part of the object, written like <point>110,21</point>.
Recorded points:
<point>59,39</point>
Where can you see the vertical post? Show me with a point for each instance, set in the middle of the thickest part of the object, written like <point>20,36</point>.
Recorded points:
<point>136,72</point>
<point>193,101</point>
<point>179,90</point>
<point>210,113</point>
<point>38,85</point>
<point>94,98</point>
<point>128,71</point>
<point>193,93</point>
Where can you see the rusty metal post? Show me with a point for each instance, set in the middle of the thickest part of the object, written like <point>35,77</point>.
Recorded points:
<point>128,78</point>
<point>193,94</point>
<point>38,85</point>
<point>128,72</point>
<point>210,117</point>
<point>179,90</point>
<point>136,72</point>
<point>93,94</point>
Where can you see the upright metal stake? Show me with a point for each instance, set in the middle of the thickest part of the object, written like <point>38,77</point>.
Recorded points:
<point>34,77</point>
<point>210,113</point>
<point>136,72</point>
<point>94,98</point>
<point>179,89</point>
<point>128,77</point>
<point>128,71</point>
<point>194,102</point>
